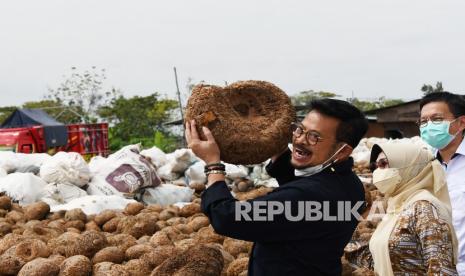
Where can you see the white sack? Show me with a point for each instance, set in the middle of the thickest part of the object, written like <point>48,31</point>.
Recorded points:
<point>96,163</point>
<point>362,158</point>
<point>125,171</point>
<point>12,162</point>
<point>26,188</point>
<point>61,193</point>
<point>270,183</point>
<point>98,186</point>
<point>167,194</point>
<point>3,172</point>
<point>91,205</point>
<point>259,172</point>
<point>195,173</point>
<point>156,155</point>
<point>166,172</point>
<point>236,171</point>
<point>178,162</point>
<point>66,167</point>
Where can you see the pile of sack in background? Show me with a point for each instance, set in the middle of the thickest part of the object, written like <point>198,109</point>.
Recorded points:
<point>66,181</point>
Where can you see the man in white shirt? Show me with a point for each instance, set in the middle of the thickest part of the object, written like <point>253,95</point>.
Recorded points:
<point>442,126</point>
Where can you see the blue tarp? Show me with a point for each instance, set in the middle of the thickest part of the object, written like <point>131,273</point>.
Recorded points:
<point>56,133</point>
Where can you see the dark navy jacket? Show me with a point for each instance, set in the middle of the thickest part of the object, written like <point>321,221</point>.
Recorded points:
<point>283,247</point>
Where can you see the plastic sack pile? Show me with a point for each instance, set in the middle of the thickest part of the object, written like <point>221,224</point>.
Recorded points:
<point>65,180</point>
<point>150,176</point>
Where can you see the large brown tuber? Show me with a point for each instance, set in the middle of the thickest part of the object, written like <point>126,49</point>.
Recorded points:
<point>235,247</point>
<point>237,267</point>
<point>5,228</point>
<point>208,235</point>
<point>75,214</point>
<point>123,241</point>
<point>189,210</point>
<point>111,225</point>
<point>133,209</point>
<point>134,252</point>
<point>77,265</point>
<point>5,202</point>
<point>104,217</point>
<point>109,254</point>
<point>138,267</point>
<point>36,211</point>
<point>199,222</point>
<point>110,269</point>
<point>249,119</point>
<point>137,226</point>
<point>198,260</point>
<point>87,243</point>
<point>39,267</point>
<point>159,254</point>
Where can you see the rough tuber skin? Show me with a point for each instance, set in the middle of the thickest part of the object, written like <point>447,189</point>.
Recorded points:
<point>75,214</point>
<point>198,260</point>
<point>39,267</point>
<point>109,254</point>
<point>77,265</point>
<point>36,211</point>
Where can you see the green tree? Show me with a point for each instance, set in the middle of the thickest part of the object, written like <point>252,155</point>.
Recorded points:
<point>139,119</point>
<point>428,88</point>
<point>5,112</point>
<point>374,104</point>
<point>62,113</point>
<point>84,91</point>
<point>305,97</point>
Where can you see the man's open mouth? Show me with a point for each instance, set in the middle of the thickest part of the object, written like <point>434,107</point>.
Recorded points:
<point>301,153</point>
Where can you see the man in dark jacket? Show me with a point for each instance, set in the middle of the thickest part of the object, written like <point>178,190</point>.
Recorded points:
<point>302,227</point>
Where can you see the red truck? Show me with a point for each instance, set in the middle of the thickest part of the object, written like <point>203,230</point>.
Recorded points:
<point>34,131</point>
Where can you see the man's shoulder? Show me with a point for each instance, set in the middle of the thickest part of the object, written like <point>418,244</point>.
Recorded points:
<point>326,183</point>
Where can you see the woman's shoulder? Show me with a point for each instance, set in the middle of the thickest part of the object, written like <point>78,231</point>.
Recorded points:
<point>423,207</point>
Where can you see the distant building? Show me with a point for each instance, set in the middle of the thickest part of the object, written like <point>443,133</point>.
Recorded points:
<point>396,121</point>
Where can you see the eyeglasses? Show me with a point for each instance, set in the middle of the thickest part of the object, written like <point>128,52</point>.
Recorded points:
<point>311,137</point>
<point>435,120</point>
<point>382,163</point>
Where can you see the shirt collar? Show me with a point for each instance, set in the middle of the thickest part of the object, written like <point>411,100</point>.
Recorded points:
<point>460,151</point>
<point>461,148</point>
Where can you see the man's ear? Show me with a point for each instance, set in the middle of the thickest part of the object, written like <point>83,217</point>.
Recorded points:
<point>462,122</point>
<point>345,152</point>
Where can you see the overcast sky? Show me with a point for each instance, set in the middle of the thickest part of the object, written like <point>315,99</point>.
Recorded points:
<point>369,48</point>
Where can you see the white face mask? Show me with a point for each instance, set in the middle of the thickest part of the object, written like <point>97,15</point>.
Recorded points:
<point>386,180</point>
<point>318,168</point>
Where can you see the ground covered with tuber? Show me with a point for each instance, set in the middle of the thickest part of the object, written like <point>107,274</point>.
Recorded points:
<point>139,240</point>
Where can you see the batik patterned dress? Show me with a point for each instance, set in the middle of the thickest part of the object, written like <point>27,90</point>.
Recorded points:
<point>420,244</point>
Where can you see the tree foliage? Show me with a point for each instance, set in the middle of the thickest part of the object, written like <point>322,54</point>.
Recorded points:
<point>305,97</point>
<point>139,119</point>
<point>428,88</point>
<point>62,113</point>
<point>83,91</point>
<point>374,104</point>
<point>5,112</point>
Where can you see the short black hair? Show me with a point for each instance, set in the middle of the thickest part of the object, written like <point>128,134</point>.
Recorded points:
<point>456,103</point>
<point>353,124</point>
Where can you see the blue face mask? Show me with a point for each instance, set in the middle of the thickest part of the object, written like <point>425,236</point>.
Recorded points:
<point>437,135</point>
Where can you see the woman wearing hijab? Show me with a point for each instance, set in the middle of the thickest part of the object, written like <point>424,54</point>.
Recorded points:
<point>415,236</point>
